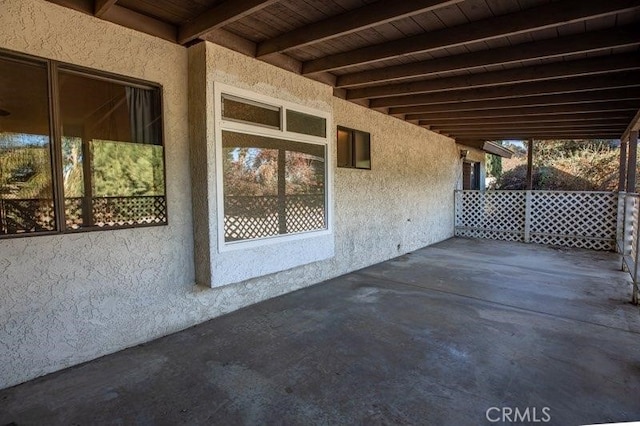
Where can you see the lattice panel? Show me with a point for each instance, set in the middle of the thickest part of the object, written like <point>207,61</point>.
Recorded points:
<point>496,215</point>
<point>73,212</point>
<point>247,218</point>
<point>574,219</point>
<point>123,211</point>
<point>305,213</point>
<point>26,215</point>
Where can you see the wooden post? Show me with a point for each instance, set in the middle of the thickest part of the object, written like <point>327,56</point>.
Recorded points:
<point>622,187</point>
<point>530,165</point>
<point>632,161</point>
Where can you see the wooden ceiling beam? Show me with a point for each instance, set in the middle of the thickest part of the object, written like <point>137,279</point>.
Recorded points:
<point>626,107</point>
<point>112,12</point>
<point>610,38</point>
<point>600,97</point>
<point>596,117</point>
<point>218,16</point>
<point>546,16</point>
<point>577,84</point>
<point>84,6</point>
<point>364,17</point>
<point>139,22</point>
<point>556,70</point>
<point>102,6</point>
<point>239,44</point>
<point>585,126</point>
<point>524,135</point>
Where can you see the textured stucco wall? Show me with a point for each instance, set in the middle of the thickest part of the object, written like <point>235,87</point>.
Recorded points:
<point>71,298</point>
<point>214,266</point>
<point>404,202</point>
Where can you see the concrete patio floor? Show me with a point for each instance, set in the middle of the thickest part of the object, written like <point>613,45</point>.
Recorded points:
<point>434,337</point>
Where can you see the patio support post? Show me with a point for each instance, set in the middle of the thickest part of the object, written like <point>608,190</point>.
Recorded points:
<point>632,162</point>
<point>631,188</point>
<point>622,187</point>
<point>530,165</point>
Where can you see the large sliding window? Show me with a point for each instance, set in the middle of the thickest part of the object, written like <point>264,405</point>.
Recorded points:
<point>79,150</point>
<point>273,168</point>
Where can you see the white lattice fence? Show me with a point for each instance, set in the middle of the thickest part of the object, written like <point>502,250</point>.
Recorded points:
<point>493,215</point>
<point>571,219</point>
<point>574,219</point>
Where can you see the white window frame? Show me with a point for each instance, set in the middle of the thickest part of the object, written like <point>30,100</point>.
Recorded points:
<point>220,124</point>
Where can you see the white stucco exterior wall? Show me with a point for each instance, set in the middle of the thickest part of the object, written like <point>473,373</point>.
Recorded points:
<point>67,299</point>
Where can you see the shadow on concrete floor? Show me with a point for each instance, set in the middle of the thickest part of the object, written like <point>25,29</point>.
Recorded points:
<point>435,337</point>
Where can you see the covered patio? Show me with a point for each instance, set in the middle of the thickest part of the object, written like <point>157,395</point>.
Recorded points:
<point>440,336</point>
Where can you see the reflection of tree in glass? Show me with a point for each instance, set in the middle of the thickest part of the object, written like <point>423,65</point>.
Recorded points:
<point>304,173</point>
<point>250,171</point>
<point>72,167</point>
<point>118,169</point>
<point>126,169</point>
<point>254,172</point>
<point>24,166</point>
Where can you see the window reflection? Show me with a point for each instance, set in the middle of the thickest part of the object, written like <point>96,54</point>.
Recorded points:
<point>26,190</point>
<point>113,170</point>
<point>271,186</point>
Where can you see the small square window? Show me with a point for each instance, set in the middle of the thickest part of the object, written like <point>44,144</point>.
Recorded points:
<point>354,149</point>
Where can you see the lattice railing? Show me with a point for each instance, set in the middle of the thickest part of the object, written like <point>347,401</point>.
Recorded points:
<point>247,217</point>
<point>34,215</point>
<point>493,215</point>
<point>26,215</point>
<point>574,219</point>
<point>564,218</point>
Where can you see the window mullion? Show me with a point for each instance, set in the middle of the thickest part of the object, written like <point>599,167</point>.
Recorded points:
<point>282,192</point>
<point>56,145</point>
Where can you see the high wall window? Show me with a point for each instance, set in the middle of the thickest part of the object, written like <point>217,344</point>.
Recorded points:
<point>78,150</point>
<point>354,148</point>
<point>274,168</point>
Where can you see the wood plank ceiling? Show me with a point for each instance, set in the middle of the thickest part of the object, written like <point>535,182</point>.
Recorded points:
<point>474,70</point>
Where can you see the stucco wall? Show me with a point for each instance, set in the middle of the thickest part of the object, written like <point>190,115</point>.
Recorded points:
<point>70,298</point>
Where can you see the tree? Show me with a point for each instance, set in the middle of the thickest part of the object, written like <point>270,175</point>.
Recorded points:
<point>494,165</point>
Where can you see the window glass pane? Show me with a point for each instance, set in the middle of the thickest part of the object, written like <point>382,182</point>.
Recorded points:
<point>113,169</point>
<point>344,148</point>
<point>250,112</point>
<point>363,150</point>
<point>306,124</point>
<point>26,189</point>
<point>271,186</point>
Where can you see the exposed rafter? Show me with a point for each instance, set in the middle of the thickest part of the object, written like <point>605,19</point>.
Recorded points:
<point>102,6</point>
<point>599,108</point>
<point>555,66</point>
<point>582,127</point>
<point>218,16</point>
<point>358,19</point>
<point>556,70</point>
<point>569,100</point>
<point>541,17</point>
<point>545,49</point>
<point>523,135</point>
<point>559,119</point>
<point>577,84</point>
